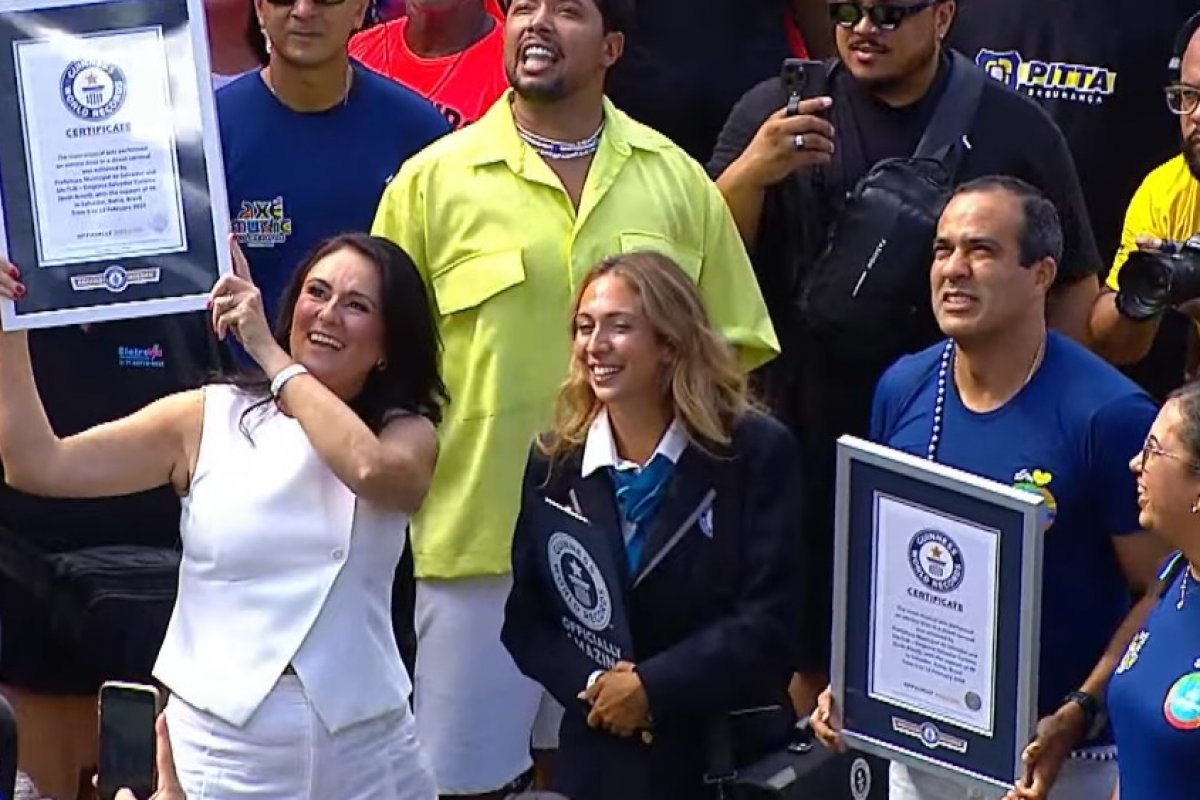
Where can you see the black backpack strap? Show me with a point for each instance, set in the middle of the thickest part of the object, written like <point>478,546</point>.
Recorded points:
<point>954,113</point>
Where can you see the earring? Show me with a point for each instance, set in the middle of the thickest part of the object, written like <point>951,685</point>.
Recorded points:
<point>266,38</point>
<point>1196,506</point>
<point>381,364</point>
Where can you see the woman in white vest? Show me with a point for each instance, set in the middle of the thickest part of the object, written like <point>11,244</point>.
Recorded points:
<point>285,679</point>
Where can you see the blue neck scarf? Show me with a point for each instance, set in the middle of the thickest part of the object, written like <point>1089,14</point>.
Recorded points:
<point>639,494</point>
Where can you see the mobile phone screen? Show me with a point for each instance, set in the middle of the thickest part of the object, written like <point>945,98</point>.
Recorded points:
<point>127,741</point>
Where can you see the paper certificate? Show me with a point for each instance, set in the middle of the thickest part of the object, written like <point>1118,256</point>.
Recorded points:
<point>101,147</point>
<point>935,582</point>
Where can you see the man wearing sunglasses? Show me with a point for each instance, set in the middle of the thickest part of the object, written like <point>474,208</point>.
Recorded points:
<point>785,178</point>
<point>1166,208</point>
<point>311,140</point>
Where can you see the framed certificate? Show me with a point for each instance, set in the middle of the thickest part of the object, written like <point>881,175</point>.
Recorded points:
<point>112,189</point>
<point>937,613</point>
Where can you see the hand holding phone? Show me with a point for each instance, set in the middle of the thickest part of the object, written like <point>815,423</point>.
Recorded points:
<point>127,740</point>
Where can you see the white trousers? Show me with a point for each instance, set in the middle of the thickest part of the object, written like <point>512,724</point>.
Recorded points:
<point>285,753</point>
<point>1079,779</point>
<point>475,710</point>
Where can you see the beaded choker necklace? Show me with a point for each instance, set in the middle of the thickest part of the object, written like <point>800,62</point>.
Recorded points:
<point>559,150</point>
<point>939,404</point>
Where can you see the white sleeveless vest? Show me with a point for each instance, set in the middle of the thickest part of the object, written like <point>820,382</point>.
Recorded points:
<point>281,565</point>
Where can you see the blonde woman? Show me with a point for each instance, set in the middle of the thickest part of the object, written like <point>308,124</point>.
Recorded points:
<point>694,494</point>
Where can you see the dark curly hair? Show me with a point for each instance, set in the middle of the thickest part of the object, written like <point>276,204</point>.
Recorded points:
<point>409,380</point>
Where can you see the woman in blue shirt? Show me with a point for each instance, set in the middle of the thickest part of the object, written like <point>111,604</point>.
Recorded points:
<point>1154,697</point>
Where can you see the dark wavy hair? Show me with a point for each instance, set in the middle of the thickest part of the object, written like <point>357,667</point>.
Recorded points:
<point>409,380</point>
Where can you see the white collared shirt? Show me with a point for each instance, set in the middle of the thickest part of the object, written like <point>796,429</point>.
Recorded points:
<point>600,451</point>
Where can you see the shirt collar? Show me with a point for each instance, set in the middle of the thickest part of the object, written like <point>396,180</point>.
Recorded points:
<point>496,136</point>
<point>600,449</point>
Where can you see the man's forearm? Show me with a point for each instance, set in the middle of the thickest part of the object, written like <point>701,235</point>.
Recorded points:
<point>745,199</point>
<point>1116,338</point>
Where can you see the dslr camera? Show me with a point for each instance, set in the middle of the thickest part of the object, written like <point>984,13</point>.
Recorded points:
<point>1154,280</point>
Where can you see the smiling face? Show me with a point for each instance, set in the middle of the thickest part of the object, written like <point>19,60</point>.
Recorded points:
<point>1168,480</point>
<point>617,347</point>
<point>980,288</point>
<point>337,325</point>
<point>309,34</point>
<point>553,49</point>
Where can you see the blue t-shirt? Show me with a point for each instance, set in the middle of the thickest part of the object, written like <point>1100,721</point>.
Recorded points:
<point>1067,435</point>
<point>1154,699</point>
<point>296,179</point>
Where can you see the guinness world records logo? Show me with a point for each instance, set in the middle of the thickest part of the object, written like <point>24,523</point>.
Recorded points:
<point>92,89</point>
<point>936,560</point>
<point>579,581</point>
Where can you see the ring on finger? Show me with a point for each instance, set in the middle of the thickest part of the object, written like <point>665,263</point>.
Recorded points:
<point>798,141</point>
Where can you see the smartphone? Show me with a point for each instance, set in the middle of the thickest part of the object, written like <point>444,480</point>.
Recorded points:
<point>803,78</point>
<point>127,715</point>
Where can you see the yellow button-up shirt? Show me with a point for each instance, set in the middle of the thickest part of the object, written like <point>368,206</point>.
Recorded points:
<point>503,249</point>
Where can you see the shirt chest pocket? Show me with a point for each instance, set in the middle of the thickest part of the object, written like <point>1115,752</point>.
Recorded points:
<point>687,258</point>
<point>486,325</point>
<point>466,285</point>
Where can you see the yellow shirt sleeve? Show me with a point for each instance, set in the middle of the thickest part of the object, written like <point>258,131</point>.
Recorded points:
<point>400,217</point>
<point>729,287</point>
<point>1139,221</point>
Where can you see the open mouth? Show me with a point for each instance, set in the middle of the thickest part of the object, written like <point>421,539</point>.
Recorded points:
<point>324,341</point>
<point>603,373</point>
<point>536,57</point>
<point>957,301</point>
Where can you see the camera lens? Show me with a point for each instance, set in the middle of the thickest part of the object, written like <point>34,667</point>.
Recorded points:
<point>1145,284</point>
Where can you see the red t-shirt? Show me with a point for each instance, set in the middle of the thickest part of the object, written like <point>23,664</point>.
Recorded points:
<point>493,7</point>
<point>463,86</point>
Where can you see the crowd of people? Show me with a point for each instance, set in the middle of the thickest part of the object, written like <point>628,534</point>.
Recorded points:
<point>608,256</point>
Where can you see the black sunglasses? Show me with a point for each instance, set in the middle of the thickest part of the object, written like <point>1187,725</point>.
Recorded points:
<point>282,3</point>
<point>885,16</point>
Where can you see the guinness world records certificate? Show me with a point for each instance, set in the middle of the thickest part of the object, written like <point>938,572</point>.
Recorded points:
<point>112,193</point>
<point>937,612</point>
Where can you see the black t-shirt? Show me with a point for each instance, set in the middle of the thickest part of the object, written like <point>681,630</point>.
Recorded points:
<point>686,63</point>
<point>86,377</point>
<point>1010,135</point>
<point>818,394</point>
<point>1098,68</point>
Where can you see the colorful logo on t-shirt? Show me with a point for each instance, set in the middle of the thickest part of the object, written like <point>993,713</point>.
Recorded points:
<point>262,223</point>
<point>1037,481</point>
<point>1049,80</point>
<point>936,560</point>
<point>1182,706</point>
<point>1132,652</point>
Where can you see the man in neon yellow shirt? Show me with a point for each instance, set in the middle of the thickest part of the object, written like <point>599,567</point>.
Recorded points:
<point>504,219</point>
<point>1166,207</point>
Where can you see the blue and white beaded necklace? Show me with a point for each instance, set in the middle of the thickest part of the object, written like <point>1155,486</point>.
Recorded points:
<point>939,404</point>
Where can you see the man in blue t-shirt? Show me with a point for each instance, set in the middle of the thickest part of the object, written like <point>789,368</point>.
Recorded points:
<point>1007,400</point>
<point>311,140</point>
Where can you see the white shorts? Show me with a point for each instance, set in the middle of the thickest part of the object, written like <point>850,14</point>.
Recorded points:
<point>475,710</point>
<point>285,753</point>
<point>1079,779</point>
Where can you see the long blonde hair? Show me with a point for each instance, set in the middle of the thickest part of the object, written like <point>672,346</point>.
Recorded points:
<point>707,386</point>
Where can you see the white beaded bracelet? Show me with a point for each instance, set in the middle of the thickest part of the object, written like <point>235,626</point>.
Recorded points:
<point>284,375</point>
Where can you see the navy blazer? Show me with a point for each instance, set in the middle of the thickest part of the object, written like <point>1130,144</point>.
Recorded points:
<point>714,611</point>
